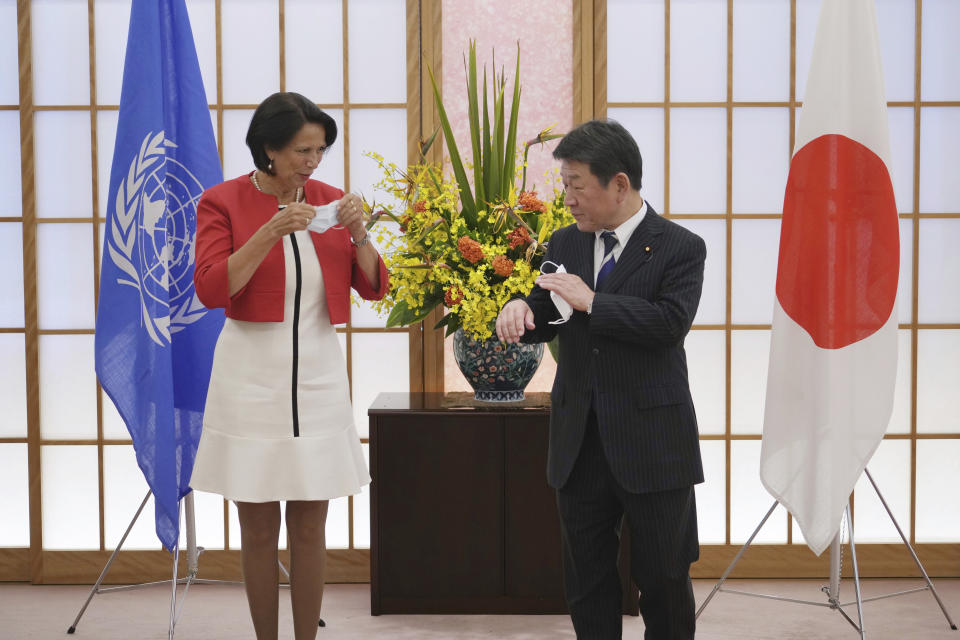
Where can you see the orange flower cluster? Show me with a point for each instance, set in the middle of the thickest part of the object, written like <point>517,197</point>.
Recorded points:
<point>452,296</point>
<point>519,237</point>
<point>529,201</point>
<point>419,206</point>
<point>470,249</point>
<point>502,266</point>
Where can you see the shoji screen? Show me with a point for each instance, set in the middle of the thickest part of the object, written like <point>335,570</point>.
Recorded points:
<point>711,89</point>
<point>61,102</point>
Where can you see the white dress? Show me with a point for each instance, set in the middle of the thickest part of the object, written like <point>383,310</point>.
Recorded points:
<point>278,424</point>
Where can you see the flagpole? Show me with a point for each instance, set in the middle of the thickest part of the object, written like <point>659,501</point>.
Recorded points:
<point>193,554</point>
<point>833,589</point>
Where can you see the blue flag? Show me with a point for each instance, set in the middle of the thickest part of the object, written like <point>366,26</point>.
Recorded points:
<point>154,339</point>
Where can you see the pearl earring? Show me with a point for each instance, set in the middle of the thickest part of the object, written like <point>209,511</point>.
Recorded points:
<point>270,166</point>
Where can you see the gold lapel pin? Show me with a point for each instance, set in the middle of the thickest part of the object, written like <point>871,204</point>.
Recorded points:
<point>647,249</point>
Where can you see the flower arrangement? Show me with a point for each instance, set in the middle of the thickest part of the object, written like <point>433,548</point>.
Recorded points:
<point>468,247</point>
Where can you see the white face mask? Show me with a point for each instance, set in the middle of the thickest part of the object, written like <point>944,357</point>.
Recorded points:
<point>562,305</point>
<point>326,217</point>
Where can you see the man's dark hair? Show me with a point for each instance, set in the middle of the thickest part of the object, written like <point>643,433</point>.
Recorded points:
<point>278,119</point>
<point>606,147</point>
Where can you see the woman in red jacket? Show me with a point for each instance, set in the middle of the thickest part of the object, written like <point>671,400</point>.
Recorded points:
<point>278,423</point>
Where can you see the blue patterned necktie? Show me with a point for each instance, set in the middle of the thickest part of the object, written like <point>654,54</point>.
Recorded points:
<point>609,261</point>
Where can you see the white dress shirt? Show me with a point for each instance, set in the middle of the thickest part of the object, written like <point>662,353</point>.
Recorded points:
<point>623,233</point>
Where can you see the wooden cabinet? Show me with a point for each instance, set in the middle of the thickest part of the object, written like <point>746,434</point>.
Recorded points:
<point>462,519</point>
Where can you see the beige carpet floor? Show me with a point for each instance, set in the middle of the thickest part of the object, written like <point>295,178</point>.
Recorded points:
<point>219,612</point>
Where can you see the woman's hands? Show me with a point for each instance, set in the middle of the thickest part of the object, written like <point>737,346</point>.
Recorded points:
<point>350,215</point>
<point>293,217</point>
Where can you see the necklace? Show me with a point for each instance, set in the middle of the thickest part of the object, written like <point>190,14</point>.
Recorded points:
<point>253,176</point>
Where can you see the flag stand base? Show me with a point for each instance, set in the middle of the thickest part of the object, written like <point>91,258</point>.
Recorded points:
<point>193,554</point>
<point>832,590</point>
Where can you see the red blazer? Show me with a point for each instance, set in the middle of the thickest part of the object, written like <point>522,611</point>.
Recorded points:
<point>229,213</point>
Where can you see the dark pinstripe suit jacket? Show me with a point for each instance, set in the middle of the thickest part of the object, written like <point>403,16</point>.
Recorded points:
<point>626,359</point>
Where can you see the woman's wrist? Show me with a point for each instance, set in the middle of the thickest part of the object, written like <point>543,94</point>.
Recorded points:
<point>363,241</point>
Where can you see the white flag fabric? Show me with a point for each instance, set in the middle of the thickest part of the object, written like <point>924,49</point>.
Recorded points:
<point>833,352</point>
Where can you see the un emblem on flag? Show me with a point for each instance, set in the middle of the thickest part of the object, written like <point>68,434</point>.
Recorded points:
<point>152,237</point>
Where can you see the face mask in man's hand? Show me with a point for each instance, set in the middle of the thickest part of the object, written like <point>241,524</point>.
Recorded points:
<point>326,217</point>
<point>562,305</point>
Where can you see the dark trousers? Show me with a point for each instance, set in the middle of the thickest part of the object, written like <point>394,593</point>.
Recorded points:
<point>663,543</point>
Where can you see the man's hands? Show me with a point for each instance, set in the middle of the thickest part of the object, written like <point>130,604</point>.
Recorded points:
<point>514,319</point>
<point>568,286</point>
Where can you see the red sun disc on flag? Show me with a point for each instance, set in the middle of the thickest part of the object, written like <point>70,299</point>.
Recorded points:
<point>839,242</point>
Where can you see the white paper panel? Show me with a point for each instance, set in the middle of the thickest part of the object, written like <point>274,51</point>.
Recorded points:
<point>635,65</point>
<point>749,359</point>
<point>938,476</point>
<point>381,362</point>
<point>9,72</point>
<point>383,131</point>
<point>900,415</point>
<point>61,73</point>
<point>13,386</point>
<point>905,285</point>
<point>895,24</point>
<point>15,497</point>
<point>698,50</point>
<point>362,313</point>
<point>236,154</point>
<point>646,127</point>
<point>123,490</point>
<point>62,154</point>
<point>11,265</point>
<point>713,299</point>
<point>890,468</point>
<point>756,245</point>
<point>251,50</point>
<point>113,425</point>
<point>112,23</point>
<point>706,360</point>
<point>712,494</point>
<point>698,160</point>
<point>203,23</point>
<point>68,392</point>
<point>377,41</point>
<point>761,159</point>
<point>70,497</point>
<point>331,166</point>
<point>749,501</point>
<point>941,49</point>
<point>338,524</point>
<point>361,511</point>
<point>10,160</point>
<point>938,379</point>
<point>314,49</point>
<point>761,50</point>
<point>807,13</point>
<point>106,141</point>
<point>939,269</point>
<point>209,515</point>
<point>939,159</point>
<point>901,156</point>
<point>65,296</point>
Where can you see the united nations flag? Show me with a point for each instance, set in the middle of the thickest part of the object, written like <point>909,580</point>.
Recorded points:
<point>154,340</point>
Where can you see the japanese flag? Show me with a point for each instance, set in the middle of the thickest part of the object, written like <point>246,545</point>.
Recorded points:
<point>833,353</point>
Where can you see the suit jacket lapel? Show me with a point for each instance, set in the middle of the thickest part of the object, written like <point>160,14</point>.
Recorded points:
<point>583,260</point>
<point>639,249</point>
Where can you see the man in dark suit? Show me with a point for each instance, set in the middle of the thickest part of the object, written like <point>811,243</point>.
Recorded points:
<point>623,432</point>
